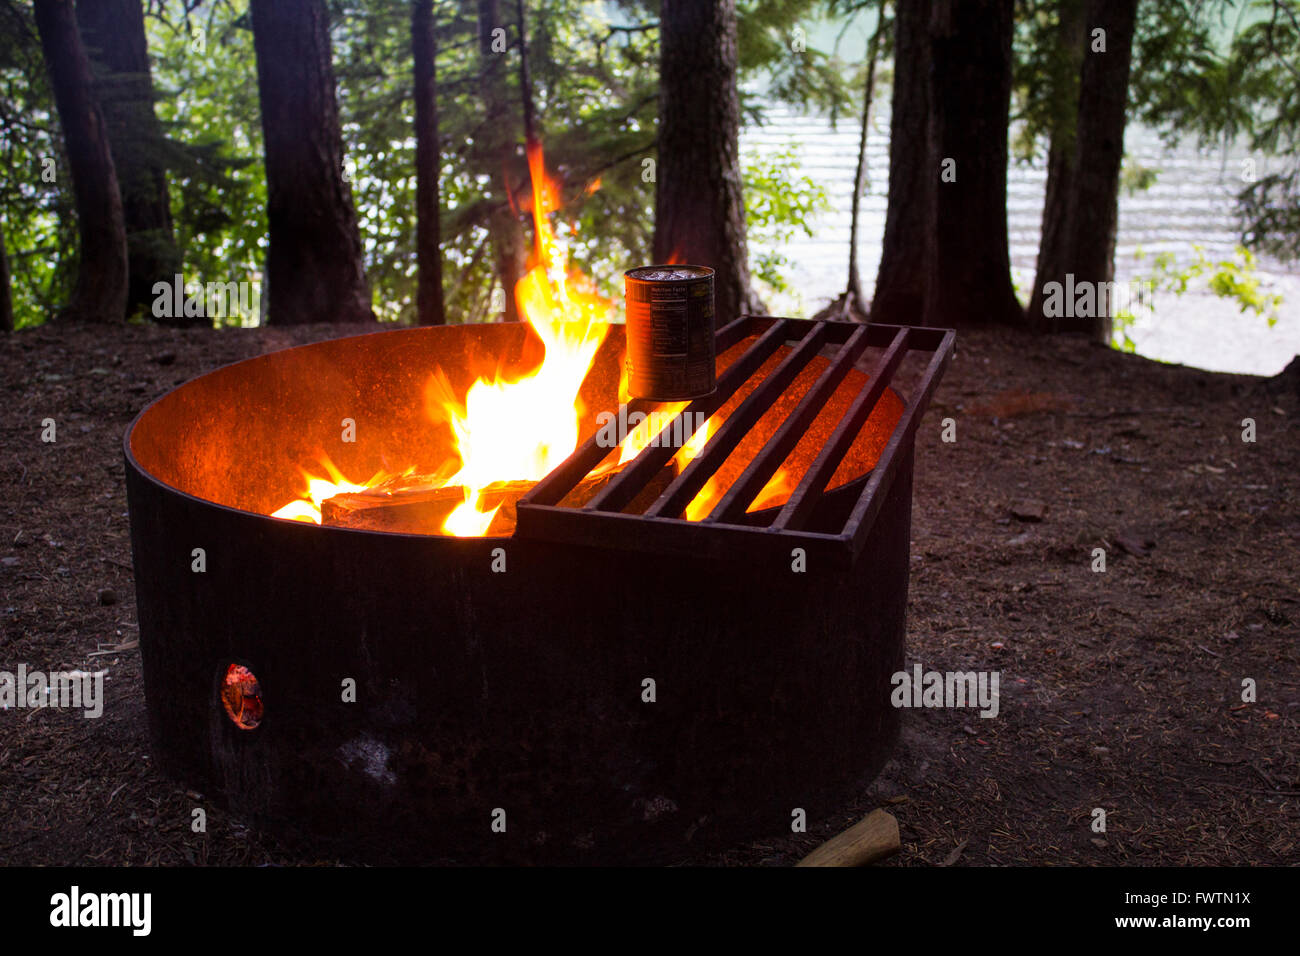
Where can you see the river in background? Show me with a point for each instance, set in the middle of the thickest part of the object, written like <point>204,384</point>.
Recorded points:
<point>1190,204</point>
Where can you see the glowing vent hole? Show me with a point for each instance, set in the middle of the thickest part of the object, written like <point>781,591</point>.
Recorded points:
<point>241,695</point>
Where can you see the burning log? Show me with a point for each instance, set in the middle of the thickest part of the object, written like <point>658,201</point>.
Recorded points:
<point>412,504</point>
<point>872,838</point>
<point>411,507</point>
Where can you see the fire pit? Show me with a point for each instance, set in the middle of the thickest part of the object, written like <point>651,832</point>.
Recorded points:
<point>680,656</point>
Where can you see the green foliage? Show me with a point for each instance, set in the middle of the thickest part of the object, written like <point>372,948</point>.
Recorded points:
<point>1270,212</point>
<point>774,44</point>
<point>779,200</point>
<point>596,90</point>
<point>593,83</point>
<point>1135,178</point>
<point>1179,82</point>
<point>205,80</point>
<point>1220,71</point>
<point>1234,279</point>
<point>1226,71</point>
<point>35,190</point>
<point>1044,85</point>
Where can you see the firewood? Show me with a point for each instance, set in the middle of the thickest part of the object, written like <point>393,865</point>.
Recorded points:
<point>408,507</point>
<point>873,838</point>
<point>589,487</point>
<point>411,504</point>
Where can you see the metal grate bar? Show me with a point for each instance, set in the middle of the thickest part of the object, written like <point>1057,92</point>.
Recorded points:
<point>804,498</point>
<point>687,485</point>
<point>868,504</point>
<point>629,482</point>
<point>759,471</point>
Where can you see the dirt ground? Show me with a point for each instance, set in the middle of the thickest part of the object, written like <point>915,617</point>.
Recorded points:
<point>1120,690</point>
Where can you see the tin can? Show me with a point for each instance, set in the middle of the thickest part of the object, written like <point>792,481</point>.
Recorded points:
<point>670,347</point>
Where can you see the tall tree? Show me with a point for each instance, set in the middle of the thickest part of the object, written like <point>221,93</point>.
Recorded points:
<point>525,80</point>
<point>699,207</point>
<point>1099,145</point>
<point>1084,205</point>
<point>500,144</point>
<point>854,300</point>
<point>430,309</point>
<point>315,271</point>
<point>113,32</point>
<point>852,303</point>
<point>1068,45</point>
<point>99,294</point>
<point>968,278</point>
<point>901,277</point>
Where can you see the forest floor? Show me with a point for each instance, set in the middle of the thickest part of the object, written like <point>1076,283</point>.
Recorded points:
<point>1120,690</point>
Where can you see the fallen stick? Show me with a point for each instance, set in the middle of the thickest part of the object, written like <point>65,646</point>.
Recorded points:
<point>872,838</point>
<point>116,649</point>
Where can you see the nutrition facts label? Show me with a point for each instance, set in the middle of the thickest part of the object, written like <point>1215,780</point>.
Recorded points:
<point>670,349</point>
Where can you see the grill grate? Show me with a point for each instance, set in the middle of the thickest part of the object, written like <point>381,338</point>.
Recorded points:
<point>602,521</point>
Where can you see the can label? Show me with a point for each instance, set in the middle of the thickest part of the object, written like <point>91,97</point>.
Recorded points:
<point>670,347</point>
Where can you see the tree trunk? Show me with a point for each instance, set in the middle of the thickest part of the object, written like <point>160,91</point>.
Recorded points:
<point>429,306</point>
<point>99,294</point>
<point>853,293</point>
<point>113,31</point>
<point>315,271</point>
<point>6,299</point>
<point>969,270</point>
<point>1081,212</point>
<point>1053,253</point>
<point>1103,96</point>
<point>525,81</point>
<point>532,142</point>
<point>699,201</point>
<point>508,246</point>
<point>901,278</point>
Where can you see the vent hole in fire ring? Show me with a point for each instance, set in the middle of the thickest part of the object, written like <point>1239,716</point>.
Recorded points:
<point>241,696</point>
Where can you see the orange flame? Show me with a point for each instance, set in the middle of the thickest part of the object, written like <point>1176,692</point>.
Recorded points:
<point>510,429</point>
<point>307,508</point>
<point>521,429</point>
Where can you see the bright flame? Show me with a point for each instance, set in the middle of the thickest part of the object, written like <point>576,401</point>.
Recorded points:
<point>511,429</point>
<point>645,431</point>
<point>521,429</point>
<point>775,492</point>
<point>307,508</point>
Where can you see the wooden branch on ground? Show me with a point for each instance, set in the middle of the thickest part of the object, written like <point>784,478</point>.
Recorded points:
<point>873,838</point>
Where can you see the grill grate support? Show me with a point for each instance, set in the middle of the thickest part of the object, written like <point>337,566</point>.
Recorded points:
<point>602,522</point>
